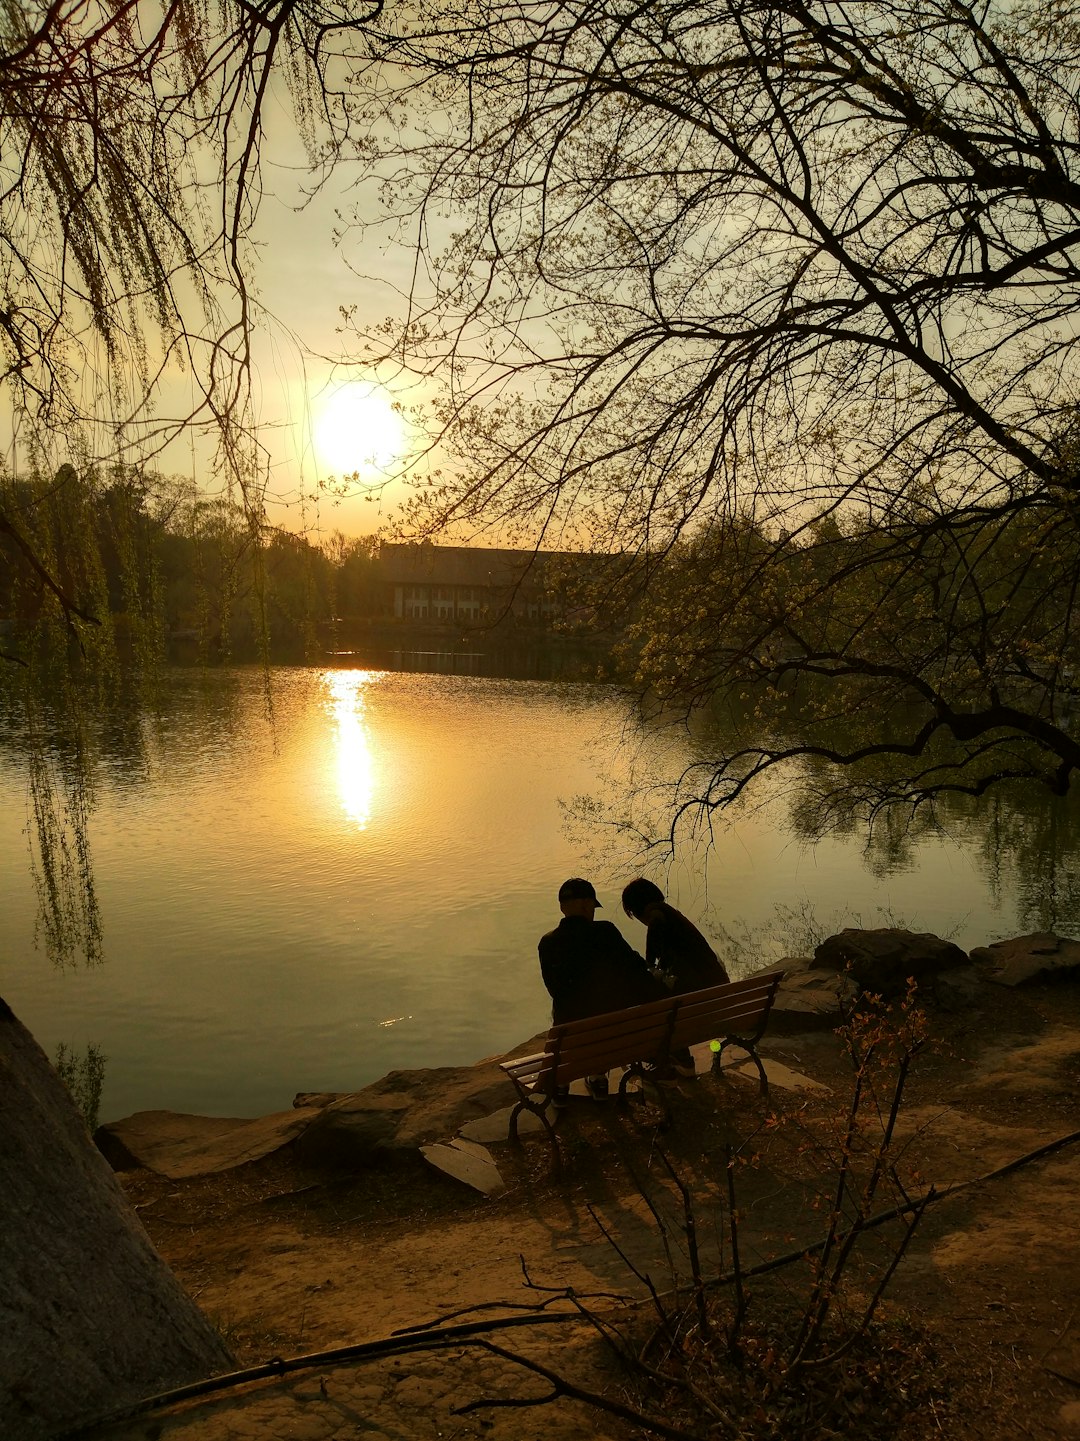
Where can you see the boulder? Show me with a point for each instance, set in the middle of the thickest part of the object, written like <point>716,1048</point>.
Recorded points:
<point>1023,960</point>
<point>340,1130</point>
<point>882,961</point>
<point>401,1112</point>
<point>808,998</point>
<point>91,1318</point>
<point>181,1146</point>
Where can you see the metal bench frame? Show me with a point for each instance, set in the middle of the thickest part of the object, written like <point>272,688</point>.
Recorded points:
<point>642,1039</point>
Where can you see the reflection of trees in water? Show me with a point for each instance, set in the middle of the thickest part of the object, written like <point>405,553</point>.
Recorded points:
<point>84,1076</point>
<point>69,919</point>
<point>68,734</point>
<point>56,754</point>
<point>1025,841</point>
<point>1029,847</point>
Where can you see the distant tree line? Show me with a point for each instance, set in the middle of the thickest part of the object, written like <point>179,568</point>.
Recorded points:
<point>139,567</point>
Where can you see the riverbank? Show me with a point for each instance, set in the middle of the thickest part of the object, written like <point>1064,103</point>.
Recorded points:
<point>289,1257</point>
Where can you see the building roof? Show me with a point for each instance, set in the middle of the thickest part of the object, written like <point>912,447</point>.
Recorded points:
<point>416,563</point>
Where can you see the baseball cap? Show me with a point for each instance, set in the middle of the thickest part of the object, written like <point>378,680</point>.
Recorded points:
<point>576,889</point>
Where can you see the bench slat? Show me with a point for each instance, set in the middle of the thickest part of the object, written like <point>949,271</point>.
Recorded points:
<point>733,1013</point>
<point>640,1033</point>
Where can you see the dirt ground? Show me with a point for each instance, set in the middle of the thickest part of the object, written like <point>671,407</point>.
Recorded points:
<point>978,1335</point>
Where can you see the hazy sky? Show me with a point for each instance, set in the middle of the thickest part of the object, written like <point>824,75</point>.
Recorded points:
<point>304,278</point>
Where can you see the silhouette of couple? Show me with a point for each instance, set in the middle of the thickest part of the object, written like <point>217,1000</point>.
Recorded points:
<point>589,968</point>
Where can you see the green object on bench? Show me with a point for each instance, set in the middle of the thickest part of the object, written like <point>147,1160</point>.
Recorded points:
<point>642,1036</point>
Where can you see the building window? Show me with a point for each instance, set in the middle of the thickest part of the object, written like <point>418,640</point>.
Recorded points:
<point>416,602</point>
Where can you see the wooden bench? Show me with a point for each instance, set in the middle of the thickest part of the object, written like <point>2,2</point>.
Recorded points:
<point>640,1038</point>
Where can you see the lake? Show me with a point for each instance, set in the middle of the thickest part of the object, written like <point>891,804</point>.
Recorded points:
<point>359,885</point>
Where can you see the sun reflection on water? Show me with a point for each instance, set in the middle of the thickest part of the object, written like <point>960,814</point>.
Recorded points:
<point>356,772</point>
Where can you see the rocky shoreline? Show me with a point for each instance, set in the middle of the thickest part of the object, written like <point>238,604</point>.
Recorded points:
<point>325,1225</point>
<point>409,1109</point>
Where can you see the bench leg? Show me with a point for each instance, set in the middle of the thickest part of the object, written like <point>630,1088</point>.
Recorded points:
<point>538,1107</point>
<point>648,1082</point>
<point>751,1051</point>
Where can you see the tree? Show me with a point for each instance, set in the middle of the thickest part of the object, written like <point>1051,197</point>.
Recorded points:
<point>131,139</point>
<point>800,270</point>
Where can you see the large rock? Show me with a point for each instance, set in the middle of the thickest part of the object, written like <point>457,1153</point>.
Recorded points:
<point>1023,960</point>
<point>401,1112</point>
<point>883,960</point>
<point>808,998</point>
<point>91,1318</point>
<point>340,1130</point>
<point>180,1146</point>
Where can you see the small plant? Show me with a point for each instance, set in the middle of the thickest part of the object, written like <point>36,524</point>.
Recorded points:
<point>882,1042</point>
<point>754,1349</point>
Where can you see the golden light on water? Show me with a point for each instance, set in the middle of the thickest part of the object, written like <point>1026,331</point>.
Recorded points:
<point>356,770</point>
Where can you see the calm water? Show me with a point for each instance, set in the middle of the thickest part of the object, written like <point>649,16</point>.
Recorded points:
<point>360,886</point>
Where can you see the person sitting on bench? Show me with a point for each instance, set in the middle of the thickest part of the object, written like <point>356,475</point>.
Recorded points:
<point>673,945</point>
<point>590,968</point>
<point>675,950</point>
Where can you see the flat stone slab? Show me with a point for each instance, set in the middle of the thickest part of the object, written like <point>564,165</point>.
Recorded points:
<point>1022,960</point>
<point>703,1057</point>
<point>489,1130</point>
<point>472,1148</point>
<point>778,1075</point>
<point>181,1146</point>
<point>469,1163</point>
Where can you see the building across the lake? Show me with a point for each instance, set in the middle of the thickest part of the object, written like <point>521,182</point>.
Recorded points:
<point>466,585</point>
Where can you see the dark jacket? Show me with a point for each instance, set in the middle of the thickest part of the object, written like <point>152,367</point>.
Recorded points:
<point>589,968</point>
<point>675,945</point>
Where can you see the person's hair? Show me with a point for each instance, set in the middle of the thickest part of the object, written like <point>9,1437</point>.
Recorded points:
<point>639,894</point>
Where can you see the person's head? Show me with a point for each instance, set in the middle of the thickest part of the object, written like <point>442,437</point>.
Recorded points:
<point>639,895</point>
<point>577,898</point>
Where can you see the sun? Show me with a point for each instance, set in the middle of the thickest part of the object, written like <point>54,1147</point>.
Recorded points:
<point>355,427</point>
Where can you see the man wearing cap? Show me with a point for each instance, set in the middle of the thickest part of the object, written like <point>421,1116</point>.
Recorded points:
<point>588,966</point>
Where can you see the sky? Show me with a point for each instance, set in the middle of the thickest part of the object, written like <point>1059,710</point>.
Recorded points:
<point>321,414</point>
<point>310,427</point>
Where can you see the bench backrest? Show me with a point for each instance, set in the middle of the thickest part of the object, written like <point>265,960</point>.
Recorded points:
<point>649,1032</point>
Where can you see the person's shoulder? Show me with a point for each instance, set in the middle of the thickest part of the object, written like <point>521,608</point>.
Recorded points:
<point>558,933</point>
<point>678,919</point>
<point>665,917</point>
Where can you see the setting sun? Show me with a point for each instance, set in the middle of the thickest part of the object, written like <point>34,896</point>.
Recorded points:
<point>356,428</point>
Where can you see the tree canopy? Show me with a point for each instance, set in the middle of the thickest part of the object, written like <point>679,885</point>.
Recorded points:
<point>779,297</point>
<point>775,299</point>
<point>131,139</point>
